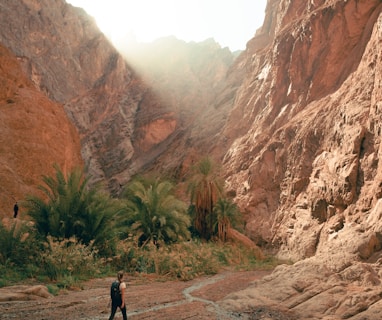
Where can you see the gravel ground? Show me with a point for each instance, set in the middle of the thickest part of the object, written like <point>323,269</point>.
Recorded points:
<point>146,298</point>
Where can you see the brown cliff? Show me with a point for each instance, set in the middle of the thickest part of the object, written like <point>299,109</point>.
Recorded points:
<point>73,63</point>
<point>35,134</point>
<point>308,112</point>
<point>190,81</point>
<point>305,162</point>
<point>125,120</point>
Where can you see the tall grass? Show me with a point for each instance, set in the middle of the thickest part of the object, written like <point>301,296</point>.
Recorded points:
<point>187,260</point>
<point>68,260</point>
<point>63,262</point>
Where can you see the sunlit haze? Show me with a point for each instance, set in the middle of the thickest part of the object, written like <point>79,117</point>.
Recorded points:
<point>230,22</point>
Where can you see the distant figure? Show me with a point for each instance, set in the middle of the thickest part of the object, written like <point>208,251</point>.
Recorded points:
<point>117,295</point>
<point>15,210</point>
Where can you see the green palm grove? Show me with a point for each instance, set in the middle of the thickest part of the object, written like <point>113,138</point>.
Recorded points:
<point>75,225</point>
<point>148,209</point>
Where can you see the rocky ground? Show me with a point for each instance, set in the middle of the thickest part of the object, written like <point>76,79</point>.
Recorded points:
<point>146,299</point>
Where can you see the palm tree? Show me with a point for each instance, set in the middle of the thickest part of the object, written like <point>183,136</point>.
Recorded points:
<point>58,212</point>
<point>99,223</point>
<point>70,208</point>
<point>154,213</point>
<point>227,215</point>
<point>204,188</point>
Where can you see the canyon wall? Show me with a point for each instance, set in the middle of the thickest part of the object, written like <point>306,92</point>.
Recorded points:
<point>305,166</point>
<point>294,118</point>
<point>72,62</point>
<point>305,129</point>
<point>126,116</point>
<point>35,134</point>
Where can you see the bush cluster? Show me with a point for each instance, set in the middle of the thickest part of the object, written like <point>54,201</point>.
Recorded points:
<point>65,263</point>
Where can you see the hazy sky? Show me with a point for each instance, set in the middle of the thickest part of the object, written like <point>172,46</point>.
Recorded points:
<point>230,22</point>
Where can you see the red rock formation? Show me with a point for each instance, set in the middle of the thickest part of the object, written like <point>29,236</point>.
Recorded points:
<point>285,90</point>
<point>306,166</point>
<point>35,133</point>
<point>124,125</point>
<point>300,129</point>
<point>185,79</point>
<point>69,59</point>
<point>240,238</point>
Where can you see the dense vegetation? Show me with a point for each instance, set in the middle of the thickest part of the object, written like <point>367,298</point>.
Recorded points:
<point>76,231</point>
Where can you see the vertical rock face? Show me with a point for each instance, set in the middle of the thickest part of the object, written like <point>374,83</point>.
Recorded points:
<point>35,134</point>
<point>124,123</point>
<point>305,130</point>
<point>188,106</point>
<point>305,165</point>
<point>67,57</point>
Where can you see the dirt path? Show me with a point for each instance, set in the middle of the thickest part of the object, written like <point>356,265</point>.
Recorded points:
<point>145,299</point>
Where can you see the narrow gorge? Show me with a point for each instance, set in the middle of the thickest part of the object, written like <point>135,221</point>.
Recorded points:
<point>295,120</point>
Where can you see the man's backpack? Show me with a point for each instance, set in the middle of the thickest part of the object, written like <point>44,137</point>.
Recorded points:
<point>115,294</point>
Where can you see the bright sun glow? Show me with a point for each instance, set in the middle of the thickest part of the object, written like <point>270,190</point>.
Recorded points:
<point>230,22</point>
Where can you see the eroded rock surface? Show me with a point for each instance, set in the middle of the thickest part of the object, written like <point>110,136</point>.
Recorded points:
<point>307,157</point>
<point>306,168</point>
<point>126,116</point>
<point>35,134</point>
<point>24,293</point>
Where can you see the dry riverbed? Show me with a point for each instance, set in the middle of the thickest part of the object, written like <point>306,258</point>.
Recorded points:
<point>146,299</point>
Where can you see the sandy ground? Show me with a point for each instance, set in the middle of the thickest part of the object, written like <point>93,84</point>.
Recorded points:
<point>145,299</point>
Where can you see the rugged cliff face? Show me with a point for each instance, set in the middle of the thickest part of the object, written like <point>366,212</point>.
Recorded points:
<point>190,80</point>
<point>299,138</point>
<point>69,59</point>
<point>305,127</point>
<point>127,116</point>
<point>35,133</point>
<point>304,162</point>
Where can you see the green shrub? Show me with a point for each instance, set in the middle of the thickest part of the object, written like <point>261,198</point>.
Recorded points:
<point>53,289</point>
<point>10,274</point>
<point>63,259</point>
<point>185,260</point>
<point>17,244</point>
<point>3,283</point>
